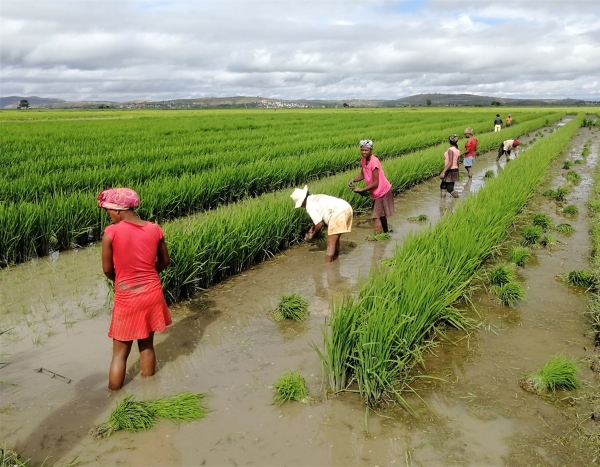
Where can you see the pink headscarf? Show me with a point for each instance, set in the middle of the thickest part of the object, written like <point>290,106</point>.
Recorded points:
<point>119,199</point>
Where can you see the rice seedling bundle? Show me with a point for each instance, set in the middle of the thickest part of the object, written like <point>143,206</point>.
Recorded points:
<point>380,332</point>
<point>542,220</point>
<point>291,387</point>
<point>510,293</point>
<point>531,234</point>
<point>419,218</point>
<point>134,415</point>
<point>380,237</point>
<point>580,278</point>
<point>292,307</point>
<point>519,255</point>
<point>567,165</point>
<point>564,228</point>
<point>501,274</point>
<point>573,176</point>
<point>557,373</point>
<point>548,240</point>
<point>570,209</point>
<point>489,174</point>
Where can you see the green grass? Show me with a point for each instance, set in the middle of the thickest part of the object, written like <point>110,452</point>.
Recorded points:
<point>542,220</point>
<point>570,209</point>
<point>557,373</point>
<point>291,387</point>
<point>133,415</point>
<point>580,278</point>
<point>531,234</point>
<point>573,176</point>
<point>292,307</point>
<point>511,293</point>
<point>564,228</point>
<point>519,255</point>
<point>500,275</point>
<point>489,174</point>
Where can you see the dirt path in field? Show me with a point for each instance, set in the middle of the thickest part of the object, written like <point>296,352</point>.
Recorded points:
<point>224,344</point>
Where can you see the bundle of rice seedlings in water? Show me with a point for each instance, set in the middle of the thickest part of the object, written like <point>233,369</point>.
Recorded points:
<point>489,174</point>
<point>580,278</point>
<point>557,373</point>
<point>542,220</point>
<point>573,176</point>
<point>500,275</point>
<point>561,193</point>
<point>578,161</point>
<point>419,218</point>
<point>291,387</point>
<point>510,293</point>
<point>549,193</point>
<point>547,240</point>
<point>130,414</point>
<point>291,307</point>
<point>570,209</point>
<point>182,407</point>
<point>564,228</point>
<point>380,237</point>
<point>567,165</point>
<point>519,255</point>
<point>10,458</point>
<point>531,234</point>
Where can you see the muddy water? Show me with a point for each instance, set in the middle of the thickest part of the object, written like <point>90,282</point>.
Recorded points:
<point>224,344</point>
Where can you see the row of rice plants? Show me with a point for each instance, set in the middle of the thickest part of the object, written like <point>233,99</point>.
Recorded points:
<point>208,247</point>
<point>374,338</point>
<point>594,211</point>
<point>33,229</point>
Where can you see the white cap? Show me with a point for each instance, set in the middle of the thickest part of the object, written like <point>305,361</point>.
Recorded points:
<point>299,195</point>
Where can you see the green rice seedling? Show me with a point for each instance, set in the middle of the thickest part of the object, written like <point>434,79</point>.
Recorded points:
<point>489,174</point>
<point>419,218</point>
<point>292,307</point>
<point>519,255</point>
<point>567,165</point>
<point>547,240</point>
<point>531,234</point>
<point>578,161</point>
<point>564,228</point>
<point>557,373</point>
<point>500,275</point>
<point>570,209</point>
<point>380,237</point>
<point>510,293</point>
<point>580,278</point>
<point>182,407</point>
<point>549,193</point>
<point>542,220</point>
<point>130,414</point>
<point>10,458</point>
<point>573,176</point>
<point>561,193</point>
<point>291,387</point>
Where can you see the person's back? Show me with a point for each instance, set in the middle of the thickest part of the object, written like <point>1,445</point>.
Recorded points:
<point>497,123</point>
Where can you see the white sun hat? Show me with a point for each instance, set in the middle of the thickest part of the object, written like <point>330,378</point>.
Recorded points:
<point>299,195</point>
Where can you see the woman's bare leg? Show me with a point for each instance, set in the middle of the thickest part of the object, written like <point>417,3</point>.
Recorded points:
<point>377,227</point>
<point>147,356</point>
<point>118,365</point>
<point>333,245</point>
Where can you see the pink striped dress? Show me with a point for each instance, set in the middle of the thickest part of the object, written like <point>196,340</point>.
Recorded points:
<point>140,307</point>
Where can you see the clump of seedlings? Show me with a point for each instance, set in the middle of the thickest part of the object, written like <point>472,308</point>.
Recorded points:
<point>419,218</point>
<point>489,174</point>
<point>567,165</point>
<point>531,234</point>
<point>557,373</point>
<point>292,307</point>
<point>542,220</point>
<point>573,176</point>
<point>380,237</point>
<point>548,241</point>
<point>510,293</point>
<point>570,209</point>
<point>519,255</point>
<point>578,161</point>
<point>559,194</point>
<point>133,415</point>
<point>564,228</point>
<point>291,387</point>
<point>500,275</point>
<point>580,278</point>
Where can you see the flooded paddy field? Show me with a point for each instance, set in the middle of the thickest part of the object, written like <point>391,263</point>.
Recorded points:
<point>472,411</point>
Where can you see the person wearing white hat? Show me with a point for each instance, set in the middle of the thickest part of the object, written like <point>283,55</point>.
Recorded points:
<point>324,210</point>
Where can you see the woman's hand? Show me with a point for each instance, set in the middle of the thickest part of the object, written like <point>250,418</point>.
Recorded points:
<point>351,184</point>
<point>442,175</point>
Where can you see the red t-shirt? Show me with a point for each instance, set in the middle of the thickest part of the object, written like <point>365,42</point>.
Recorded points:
<point>471,147</point>
<point>135,249</point>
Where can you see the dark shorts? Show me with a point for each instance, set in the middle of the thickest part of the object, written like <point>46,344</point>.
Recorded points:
<point>384,206</point>
<point>449,180</point>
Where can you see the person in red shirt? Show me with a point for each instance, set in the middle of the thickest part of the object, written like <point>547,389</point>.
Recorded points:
<point>470,149</point>
<point>133,253</point>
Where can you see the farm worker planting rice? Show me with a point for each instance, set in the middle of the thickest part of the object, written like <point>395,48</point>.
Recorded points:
<point>508,121</point>
<point>497,123</point>
<point>470,148</point>
<point>324,210</point>
<point>133,253</point>
<point>449,175</point>
<point>506,147</point>
<point>377,186</point>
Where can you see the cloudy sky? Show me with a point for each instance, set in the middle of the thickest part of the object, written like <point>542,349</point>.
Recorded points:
<point>295,49</point>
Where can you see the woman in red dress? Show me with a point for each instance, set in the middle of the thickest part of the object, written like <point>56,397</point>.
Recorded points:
<point>133,253</point>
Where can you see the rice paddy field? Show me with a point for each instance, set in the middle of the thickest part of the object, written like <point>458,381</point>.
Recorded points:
<point>409,351</point>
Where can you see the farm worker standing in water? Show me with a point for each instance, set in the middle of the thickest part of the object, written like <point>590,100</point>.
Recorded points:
<point>449,175</point>
<point>470,148</point>
<point>497,123</point>
<point>506,147</point>
<point>335,213</point>
<point>133,253</point>
<point>377,185</point>
<point>508,121</point>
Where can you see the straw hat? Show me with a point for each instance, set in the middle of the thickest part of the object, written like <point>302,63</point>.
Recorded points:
<point>299,195</point>
<point>468,131</point>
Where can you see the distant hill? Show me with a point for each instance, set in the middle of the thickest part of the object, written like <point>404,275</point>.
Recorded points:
<point>437,100</point>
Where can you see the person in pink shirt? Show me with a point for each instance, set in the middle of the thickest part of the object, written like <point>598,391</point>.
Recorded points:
<point>133,253</point>
<point>449,175</point>
<point>376,185</point>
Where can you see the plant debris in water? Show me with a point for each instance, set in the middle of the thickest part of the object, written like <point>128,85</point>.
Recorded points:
<point>564,228</point>
<point>557,373</point>
<point>510,293</point>
<point>133,415</point>
<point>570,209</point>
<point>10,458</point>
<point>531,234</point>
<point>519,255</point>
<point>380,237</point>
<point>580,278</point>
<point>573,176</point>
<point>489,174</point>
<point>291,307</point>
<point>542,220</point>
<point>291,387</point>
<point>501,274</point>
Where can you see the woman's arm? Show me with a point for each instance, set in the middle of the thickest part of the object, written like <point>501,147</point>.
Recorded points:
<point>314,230</point>
<point>361,176</point>
<point>162,256</point>
<point>373,186</point>
<point>447,167</point>
<point>108,267</point>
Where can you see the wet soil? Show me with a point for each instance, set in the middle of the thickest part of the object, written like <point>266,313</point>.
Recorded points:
<point>223,343</point>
